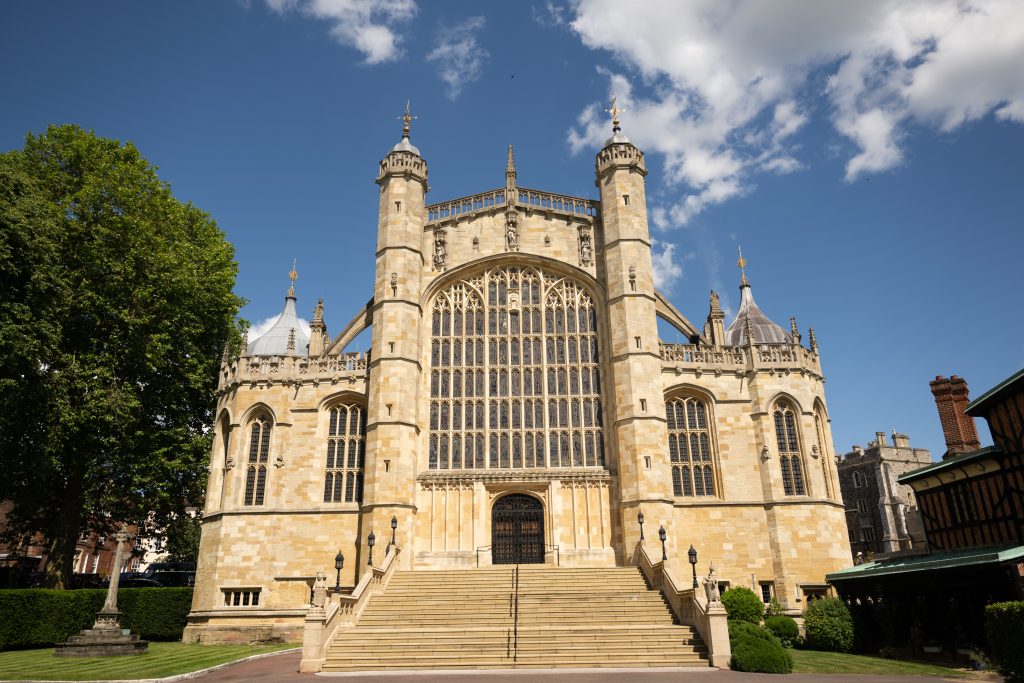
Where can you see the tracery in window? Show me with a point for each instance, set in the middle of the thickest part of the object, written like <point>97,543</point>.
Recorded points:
<point>256,467</point>
<point>823,441</point>
<point>514,377</point>
<point>346,448</point>
<point>788,442</point>
<point>689,447</point>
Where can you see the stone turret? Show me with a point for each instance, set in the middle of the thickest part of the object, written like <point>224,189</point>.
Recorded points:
<point>640,430</point>
<point>318,338</point>
<point>391,443</point>
<point>714,328</point>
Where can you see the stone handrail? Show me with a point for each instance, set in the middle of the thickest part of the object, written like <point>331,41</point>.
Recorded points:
<point>690,607</point>
<point>465,206</point>
<point>342,613</point>
<point>739,358</point>
<point>295,368</point>
<point>548,201</point>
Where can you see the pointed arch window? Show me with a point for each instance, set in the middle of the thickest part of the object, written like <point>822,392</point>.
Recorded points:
<point>689,447</point>
<point>515,374</point>
<point>256,466</point>
<point>788,441</point>
<point>346,449</point>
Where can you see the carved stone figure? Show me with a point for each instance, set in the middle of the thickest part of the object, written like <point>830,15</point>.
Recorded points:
<point>440,253</point>
<point>319,601</point>
<point>511,233</point>
<point>711,586</point>
<point>586,248</point>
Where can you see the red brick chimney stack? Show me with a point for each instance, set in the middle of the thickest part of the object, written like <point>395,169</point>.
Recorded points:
<point>951,399</point>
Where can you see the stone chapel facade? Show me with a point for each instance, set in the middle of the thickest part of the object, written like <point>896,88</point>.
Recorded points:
<point>516,405</point>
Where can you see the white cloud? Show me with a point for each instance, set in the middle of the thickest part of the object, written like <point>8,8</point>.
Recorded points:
<point>666,269</point>
<point>721,89</point>
<point>459,57</point>
<point>369,26</point>
<point>260,328</point>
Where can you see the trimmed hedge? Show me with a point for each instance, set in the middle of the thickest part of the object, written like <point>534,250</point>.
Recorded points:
<point>828,626</point>
<point>1004,626</point>
<point>742,604</point>
<point>756,650</point>
<point>784,628</point>
<point>40,617</point>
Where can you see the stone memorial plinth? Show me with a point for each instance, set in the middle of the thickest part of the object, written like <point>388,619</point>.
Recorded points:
<point>106,637</point>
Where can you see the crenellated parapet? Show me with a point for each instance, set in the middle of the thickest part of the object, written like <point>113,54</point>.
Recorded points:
<point>622,156</point>
<point>781,358</point>
<point>402,163</point>
<point>346,367</point>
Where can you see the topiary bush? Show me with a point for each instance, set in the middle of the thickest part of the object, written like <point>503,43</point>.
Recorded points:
<point>784,628</point>
<point>1004,627</point>
<point>756,650</point>
<point>40,617</point>
<point>742,604</point>
<point>828,626</point>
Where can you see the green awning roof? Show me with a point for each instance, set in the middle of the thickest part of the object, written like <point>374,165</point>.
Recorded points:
<point>974,407</point>
<point>948,463</point>
<point>928,563</point>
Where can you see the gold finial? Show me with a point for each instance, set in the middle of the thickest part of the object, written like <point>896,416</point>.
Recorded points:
<point>292,275</point>
<point>615,110</point>
<point>742,263</point>
<point>406,118</point>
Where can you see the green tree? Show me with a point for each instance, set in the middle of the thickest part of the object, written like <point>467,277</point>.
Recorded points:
<point>116,303</point>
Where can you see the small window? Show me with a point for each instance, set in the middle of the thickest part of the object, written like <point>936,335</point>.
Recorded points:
<point>625,199</point>
<point>858,480</point>
<point>242,597</point>
<point>767,588</point>
<point>862,506</point>
<point>867,533</point>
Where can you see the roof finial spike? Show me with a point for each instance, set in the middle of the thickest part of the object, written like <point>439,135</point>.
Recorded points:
<point>292,274</point>
<point>615,110</point>
<point>291,340</point>
<point>510,163</point>
<point>742,263</point>
<point>406,118</point>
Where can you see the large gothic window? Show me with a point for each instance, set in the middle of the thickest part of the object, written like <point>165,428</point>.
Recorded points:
<point>689,447</point>
<point>788,441</point>
<point>256,467</point>
<point>346,446</point>
<point>514,380</point>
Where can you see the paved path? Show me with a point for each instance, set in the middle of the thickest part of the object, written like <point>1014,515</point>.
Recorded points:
<point>284,668</point>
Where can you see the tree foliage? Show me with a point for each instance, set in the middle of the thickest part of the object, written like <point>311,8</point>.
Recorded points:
<point>115,304</point>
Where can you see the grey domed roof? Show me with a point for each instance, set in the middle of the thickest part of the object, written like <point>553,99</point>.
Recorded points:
<point>617,138</point>
<point>762,328</point>
<point>406,146</point>
<point>274,341</point>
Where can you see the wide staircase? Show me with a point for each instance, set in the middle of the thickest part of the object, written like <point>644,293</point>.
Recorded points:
<point>480,619</point>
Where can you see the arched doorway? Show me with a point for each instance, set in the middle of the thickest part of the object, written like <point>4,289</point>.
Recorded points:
<point>517,530</point>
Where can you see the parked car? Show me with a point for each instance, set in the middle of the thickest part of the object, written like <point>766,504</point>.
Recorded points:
<point>171,573</point>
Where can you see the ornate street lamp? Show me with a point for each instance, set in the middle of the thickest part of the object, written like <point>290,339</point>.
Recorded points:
<point>394,525</point>
<point>662,535</point>
<point>640,519</point>
<point>693,562</point>
<point>370,540</point>
<point>339,564</point>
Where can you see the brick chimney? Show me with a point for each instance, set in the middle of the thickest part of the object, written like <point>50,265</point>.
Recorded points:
<point>951,399</point>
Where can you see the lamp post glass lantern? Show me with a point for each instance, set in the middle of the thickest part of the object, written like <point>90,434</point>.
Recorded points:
<point>370,540</point>
<point>394,525</point>
<point>693,563</point>
<point>339,564</point>
<point>662,535</point>
<point>640,520</point>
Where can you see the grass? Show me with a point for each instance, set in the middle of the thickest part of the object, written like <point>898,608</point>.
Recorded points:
<point>163,659</point>
<point>811,662</point>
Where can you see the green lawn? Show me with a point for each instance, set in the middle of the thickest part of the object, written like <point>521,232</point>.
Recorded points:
<point>163,659</point>
<point>811,662</point>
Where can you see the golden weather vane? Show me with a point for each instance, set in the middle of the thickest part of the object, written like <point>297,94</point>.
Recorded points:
<point>615,110</point>
<point>292,275</point>
<point>406,118</point>
<point>742,263</point>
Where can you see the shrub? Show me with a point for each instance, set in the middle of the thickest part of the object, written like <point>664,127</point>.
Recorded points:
<point>39,617</point>
<point>756,650</point>
<point>784,628</point>
<point>773,608</point>
<point>742,604</point>
<point>828,626</point>
<point>1004,626</point>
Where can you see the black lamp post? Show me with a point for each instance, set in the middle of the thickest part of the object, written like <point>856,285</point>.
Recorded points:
<point>662,535</point>
<point>640,519</point>
<point>370,540</point>
<point>339,564</point>
<point>394,525</point>
<point>693,562</point>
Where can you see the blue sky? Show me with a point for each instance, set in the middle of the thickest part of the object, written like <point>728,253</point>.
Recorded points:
<point>866,157</point>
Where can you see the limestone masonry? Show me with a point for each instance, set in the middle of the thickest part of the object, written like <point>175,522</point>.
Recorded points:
<point>516,405</point>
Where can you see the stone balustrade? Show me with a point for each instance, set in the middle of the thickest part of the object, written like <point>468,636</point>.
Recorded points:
<point>334,368</point>
<point>557,203</point>
<point>739,358</point>
<point>465,206</point>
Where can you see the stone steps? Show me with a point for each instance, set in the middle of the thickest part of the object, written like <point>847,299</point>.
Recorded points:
<point>460,619</point>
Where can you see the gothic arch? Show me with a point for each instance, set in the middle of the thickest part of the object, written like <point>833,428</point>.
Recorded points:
<point>345,395</point>
<point>786,396</point>
<point>693,389</point>
<point>664,309</point>
<point>363,320</point>
<point>257,408</point>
